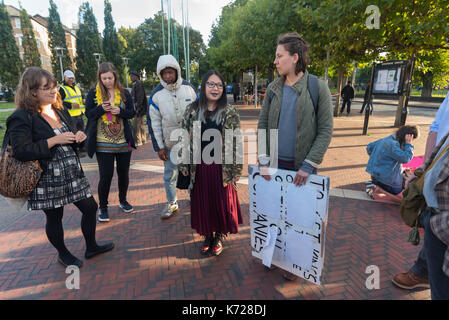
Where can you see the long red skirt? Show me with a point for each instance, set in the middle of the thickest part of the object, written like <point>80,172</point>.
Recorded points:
<point>214,208</point>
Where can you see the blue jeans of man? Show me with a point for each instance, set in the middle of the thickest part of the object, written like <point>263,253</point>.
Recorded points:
<point>170,179</point>
<point>430,261</point>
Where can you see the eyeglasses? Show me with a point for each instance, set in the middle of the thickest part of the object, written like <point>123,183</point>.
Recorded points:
<point>213,84</point>
<point>46,89</point>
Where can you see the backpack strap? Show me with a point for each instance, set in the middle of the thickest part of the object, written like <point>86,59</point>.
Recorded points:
<point>312,87</point>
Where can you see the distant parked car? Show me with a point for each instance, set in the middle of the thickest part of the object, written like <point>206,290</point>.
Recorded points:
<point>229,89</point>
<point>2,95</point>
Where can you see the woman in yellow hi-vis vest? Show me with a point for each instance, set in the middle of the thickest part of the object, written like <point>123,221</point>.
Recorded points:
<point>73,99</point>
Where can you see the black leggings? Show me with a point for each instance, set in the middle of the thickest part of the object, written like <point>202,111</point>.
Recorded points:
<point>106,166</point>
<point>55,231</point>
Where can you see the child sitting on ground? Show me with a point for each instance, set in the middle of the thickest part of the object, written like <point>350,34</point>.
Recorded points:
<point>385,164</point>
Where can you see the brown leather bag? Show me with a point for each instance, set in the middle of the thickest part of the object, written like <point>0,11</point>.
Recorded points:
<point>17,178</point>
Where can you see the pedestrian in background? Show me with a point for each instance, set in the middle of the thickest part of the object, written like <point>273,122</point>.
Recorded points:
<point>73,100</point>
<point>141,106</point>
<point>367,102</point>
<point>347,93</point>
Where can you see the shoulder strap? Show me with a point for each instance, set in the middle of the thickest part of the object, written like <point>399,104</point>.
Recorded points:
<point>312,87</point>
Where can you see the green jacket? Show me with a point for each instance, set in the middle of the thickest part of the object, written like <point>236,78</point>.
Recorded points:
<point>313,131</point>
<point>230,120</point>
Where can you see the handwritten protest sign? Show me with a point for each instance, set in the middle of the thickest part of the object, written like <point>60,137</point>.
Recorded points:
<point>288,223</point>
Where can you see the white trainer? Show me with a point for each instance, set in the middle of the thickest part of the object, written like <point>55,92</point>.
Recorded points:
<point>170,210</point>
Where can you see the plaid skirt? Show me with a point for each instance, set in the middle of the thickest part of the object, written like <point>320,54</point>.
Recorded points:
<point>63,182</point>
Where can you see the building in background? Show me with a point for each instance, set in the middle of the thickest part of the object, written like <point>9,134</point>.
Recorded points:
<point>39,24</point>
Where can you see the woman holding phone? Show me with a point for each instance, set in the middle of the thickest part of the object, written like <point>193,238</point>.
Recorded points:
<point>109,108</point>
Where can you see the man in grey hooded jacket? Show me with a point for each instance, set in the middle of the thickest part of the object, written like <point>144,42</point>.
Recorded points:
<point>168,102</point>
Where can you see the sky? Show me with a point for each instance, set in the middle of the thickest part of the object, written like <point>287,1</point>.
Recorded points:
<point>130,13</point>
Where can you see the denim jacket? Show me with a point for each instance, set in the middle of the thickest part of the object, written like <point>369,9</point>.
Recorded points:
<point>386,158</point>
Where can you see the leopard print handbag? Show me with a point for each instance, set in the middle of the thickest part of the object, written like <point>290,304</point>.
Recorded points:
<point>17,178</point>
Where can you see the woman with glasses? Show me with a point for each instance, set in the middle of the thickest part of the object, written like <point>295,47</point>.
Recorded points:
<point>41,129</point>
<point>215,208</point>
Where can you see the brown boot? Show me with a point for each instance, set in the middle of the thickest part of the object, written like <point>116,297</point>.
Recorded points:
<point>408,280</point>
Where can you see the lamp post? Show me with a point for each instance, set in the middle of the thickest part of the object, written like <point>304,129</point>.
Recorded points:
<point>97,58</point>
<point>125,60</point>
<point>60,52</point>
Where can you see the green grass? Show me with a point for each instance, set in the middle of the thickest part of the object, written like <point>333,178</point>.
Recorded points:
<point>3,117</point>
<point>7,105</point>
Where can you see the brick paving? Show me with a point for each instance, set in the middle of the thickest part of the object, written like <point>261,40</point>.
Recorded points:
<point>160,259</point>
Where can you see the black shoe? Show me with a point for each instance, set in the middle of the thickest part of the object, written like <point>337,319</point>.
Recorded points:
<point>70,261</point>
<point>126,207</point>
<point>217,246</point>
<point>99,250</point>
<point>207,244</point>
<point>103,216</point>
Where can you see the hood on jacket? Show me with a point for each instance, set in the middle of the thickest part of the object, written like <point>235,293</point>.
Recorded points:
<point>168,61</point>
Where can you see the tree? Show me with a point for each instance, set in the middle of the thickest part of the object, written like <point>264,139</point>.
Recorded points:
<point>10,63</point>
<point>144,45</point>
<point>111,44</point>
<point>410,27</point>
<point>87,43</point>
<point>31,56</point>
<point>56,35</point>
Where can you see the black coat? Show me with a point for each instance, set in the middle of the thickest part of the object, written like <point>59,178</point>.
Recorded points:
<point>140,98</point>
<point>347,93</point>
<point>28,134</point>
<point>94,112</point>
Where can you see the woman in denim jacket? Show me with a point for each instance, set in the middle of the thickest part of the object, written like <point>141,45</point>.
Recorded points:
<point>387,156</point>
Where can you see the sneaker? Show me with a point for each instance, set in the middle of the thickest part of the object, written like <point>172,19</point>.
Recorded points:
<point>103,216</point>
<point>217,246</point>
<point>408,280</point>
<point>126,206</point>
<point>208,241</point>
<point>170,210</point>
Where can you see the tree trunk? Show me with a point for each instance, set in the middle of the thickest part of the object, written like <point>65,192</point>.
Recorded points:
<point>340,80</point>
<point>427,85</point>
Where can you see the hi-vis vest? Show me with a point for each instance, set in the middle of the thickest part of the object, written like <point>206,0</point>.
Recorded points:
<point>74,95</point>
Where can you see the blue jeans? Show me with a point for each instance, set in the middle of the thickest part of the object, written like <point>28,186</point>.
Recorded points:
<point>386,187</point>
<point>170,179</point>
<point>430,261</point>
